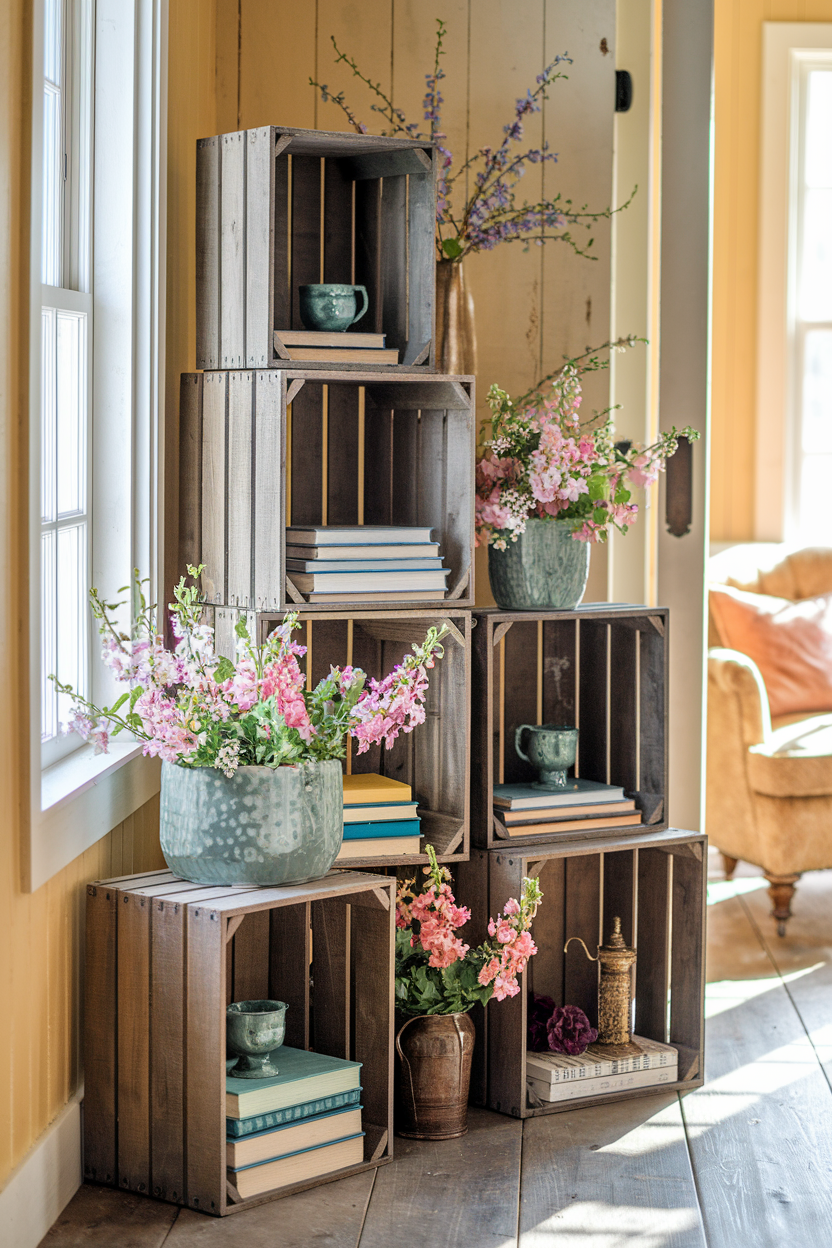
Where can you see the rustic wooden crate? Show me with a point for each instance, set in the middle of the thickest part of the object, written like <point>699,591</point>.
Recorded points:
<point>603,670</point>
<point>656,884</point>
<point>163,959</point>
<point>434,759</point>
<point>260,450</point>
<point>279,208</point>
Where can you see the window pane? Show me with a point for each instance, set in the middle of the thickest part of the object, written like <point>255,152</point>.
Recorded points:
<point>48,652</point>
<point>818,158</point>
<point>816,423</point>
<point>48,396</point>
<point>74,615</point>
<point>71,411</point>
<point>815,525</point>
<point>53,162</point>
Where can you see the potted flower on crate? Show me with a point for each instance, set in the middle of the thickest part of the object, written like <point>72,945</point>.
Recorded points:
<point>251,772</point>
<point>549,485</point>
<point>439,979</point>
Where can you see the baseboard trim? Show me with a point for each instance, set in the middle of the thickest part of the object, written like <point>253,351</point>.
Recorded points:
<point>40,1188</point>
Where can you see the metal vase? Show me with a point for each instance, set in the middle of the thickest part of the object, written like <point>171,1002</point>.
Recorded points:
<point>433,1074</point>
<point>456,337</point>
<point>261,826</point>
<point>545,568</point>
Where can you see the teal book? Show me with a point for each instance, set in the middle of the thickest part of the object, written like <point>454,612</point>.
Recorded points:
<point>298,1167</point>
<point>251,1150</point>
<point>574,793</point>
<point>239,1127</point>
<point>371,831</point>
<point>303,1077</point>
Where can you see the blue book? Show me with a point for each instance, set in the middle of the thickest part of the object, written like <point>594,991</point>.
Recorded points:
<point>239,1127</point>
<point>302,1077</point>
<point>372,831</point>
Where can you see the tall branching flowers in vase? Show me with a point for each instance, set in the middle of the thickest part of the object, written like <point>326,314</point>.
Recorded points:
<point>490,211</point>
<point>436,972</point>
<point>196,708</point>
<point>542,462</point>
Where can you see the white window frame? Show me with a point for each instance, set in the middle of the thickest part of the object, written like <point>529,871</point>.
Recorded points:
<point>81,798</point>
<point>788,48</point>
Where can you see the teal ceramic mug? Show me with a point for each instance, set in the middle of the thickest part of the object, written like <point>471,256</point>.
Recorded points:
<point>331,306</point>
<point>552,748</point>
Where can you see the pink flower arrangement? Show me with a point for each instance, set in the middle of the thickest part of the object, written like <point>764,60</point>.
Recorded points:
<point>436,972</point>
<point>541,463</point>
<point>197,708</point>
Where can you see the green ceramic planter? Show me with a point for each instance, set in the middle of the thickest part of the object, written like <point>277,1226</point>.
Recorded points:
<point>544,569</point>
<point>331,306</point>
<point>261,826</point>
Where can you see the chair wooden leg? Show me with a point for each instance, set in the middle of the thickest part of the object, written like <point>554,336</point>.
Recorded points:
<point>729,865</point>
<point>781,891</point>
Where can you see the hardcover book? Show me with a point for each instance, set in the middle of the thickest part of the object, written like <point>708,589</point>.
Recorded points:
<point>329,338</point>
<point>367,787</point>
<point>561,1067</point>
<point>577,792</point>
<point>310,1163</point>
<point>542,814</point>
<point>378,847</point>
<point>359,582</point>
<point>381,812</point>
<point>557,826</point>
<point>363,550</point>
<point>291,1113</point>
<point>369,564</point>
<point>356,534</point>
<point>303,1077</point>
<point>577,1088</point>
<point>250,1150</point>
<point>381,831</point>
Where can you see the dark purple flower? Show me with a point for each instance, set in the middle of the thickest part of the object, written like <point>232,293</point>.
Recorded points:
<point>569,1030</point>
<point>540,1011</point>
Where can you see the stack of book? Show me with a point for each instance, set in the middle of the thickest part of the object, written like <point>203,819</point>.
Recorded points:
<point>559,1077</point>
<point>393,563</point>
<point>303,1123</point>
<point>523,810</point>
<point>379,818</point>
<point>319,346</point>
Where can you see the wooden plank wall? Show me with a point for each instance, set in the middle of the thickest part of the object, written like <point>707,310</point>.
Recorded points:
<point>531,307</point>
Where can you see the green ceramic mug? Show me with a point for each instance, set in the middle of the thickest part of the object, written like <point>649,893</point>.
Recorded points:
<point>552,749</point>
<point>331,306</point>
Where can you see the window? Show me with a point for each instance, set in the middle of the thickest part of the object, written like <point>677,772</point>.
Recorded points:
<point>66,341</point>
<point>96,384</point>
<point>794,333</point>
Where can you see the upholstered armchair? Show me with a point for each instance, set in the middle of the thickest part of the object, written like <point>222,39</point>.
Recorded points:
<point>769,777</point>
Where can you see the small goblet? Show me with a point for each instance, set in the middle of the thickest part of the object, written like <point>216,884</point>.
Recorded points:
<point>253,1030</point>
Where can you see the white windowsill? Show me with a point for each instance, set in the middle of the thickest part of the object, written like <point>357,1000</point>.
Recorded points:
<point>81,769</point>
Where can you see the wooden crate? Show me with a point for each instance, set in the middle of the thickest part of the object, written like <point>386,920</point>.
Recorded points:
<point>279,208</point>
<point>260,450</point>
<point>656,885</point>
<point>603,670</point>
<point>163,960</point>
<point>434,759</point>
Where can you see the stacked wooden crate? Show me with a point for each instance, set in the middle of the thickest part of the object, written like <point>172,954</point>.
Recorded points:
<point>267,443</point>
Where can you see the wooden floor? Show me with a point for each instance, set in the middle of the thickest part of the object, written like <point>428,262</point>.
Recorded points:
<point>744,1161</point>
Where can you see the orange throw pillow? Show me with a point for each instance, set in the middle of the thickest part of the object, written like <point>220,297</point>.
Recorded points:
<point>791,643</point>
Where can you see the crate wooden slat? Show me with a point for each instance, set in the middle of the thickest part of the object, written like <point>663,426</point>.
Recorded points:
<point>603,670</point>
<point>278,208</point>
<point>264,449</point>
<point>158,964</point>
<point>655,883</point>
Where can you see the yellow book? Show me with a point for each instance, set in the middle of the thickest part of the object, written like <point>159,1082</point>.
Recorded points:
<point>368,788</point>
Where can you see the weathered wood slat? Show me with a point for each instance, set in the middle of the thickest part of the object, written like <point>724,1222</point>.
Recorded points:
<point>582,917</point>
<point>167,1049</point>
<point>394,261</point>
<point>133,1032</point>
<point>289,958</point>
<point>190,470</point>
<point>624,746</point>
<point>233,250</point>
<point>100,1036</point>
<point>342,455</point>
<point>240,488</point>
<point>687,956</point>
<point>594,718</point>
<point>372,988</point>
<point>269,491</point>
<point>331,928</point>
<point>204,1064</point>
<point>282,248</point>
<point>421,214</point>
<point>213,527</point>
<point>306,227</point>
<point>307,456</point>
<point>251,958</point>
<point>368,251</point>
<point>260,220</point>
<point>208,283</point>
<point>520,705</point>
<point>338,224</point>
<point>653,944</point>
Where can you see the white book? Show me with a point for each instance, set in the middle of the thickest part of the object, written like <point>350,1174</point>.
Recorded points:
<point>361,551</point>
<point>311,1163</point>
<point>575,1089</point>
<point>352,534</point>
<point>364,582</point>
<point>364,565</point>
<point>561,1068</point>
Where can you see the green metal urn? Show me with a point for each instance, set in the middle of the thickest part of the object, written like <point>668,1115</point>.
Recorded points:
<point>261,826</point>
<point>545,569</point>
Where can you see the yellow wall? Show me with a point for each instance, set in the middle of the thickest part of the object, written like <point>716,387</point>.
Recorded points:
<point>737,66</point>
<point>42,933</point>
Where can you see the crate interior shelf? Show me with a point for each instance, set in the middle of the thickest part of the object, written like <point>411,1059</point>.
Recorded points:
<point>656,885</point>
<point>260,450</point>
<point>279,208</point>
<point>164,958</point>
<point>602,670</point>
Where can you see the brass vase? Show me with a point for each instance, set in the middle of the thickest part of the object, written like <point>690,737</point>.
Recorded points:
<point>433,1074</point>
<point>456,339</point>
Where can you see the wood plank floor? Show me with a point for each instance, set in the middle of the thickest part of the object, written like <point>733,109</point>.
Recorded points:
<point>745,1160</point>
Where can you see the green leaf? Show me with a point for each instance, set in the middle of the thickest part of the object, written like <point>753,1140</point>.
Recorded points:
<point>452,248</point>
<point>224,670</point>
<point>241,629</point>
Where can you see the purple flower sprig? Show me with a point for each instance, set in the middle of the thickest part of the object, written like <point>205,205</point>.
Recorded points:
<point>490,214</point>
<point>558,1028</point>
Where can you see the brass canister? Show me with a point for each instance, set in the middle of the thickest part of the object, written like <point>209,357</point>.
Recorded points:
<point>615,992</point>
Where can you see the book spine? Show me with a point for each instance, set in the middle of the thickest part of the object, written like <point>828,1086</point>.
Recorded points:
<point>239,1127</point>
<point>623,1066</point>
<point>577,1089</point>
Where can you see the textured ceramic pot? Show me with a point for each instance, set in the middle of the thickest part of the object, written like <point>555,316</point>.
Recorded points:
<point>253,1030</point>
<point>456,338</point>
<point>552,749</point>
<point>263,825</point>
<point>544,568</point>
<point>331,306</point>
<point>433,1074</point>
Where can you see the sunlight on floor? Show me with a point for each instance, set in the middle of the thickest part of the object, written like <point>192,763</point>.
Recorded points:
<point>616,1226</point>
<point>728,994</point>
<point>724,890</point>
